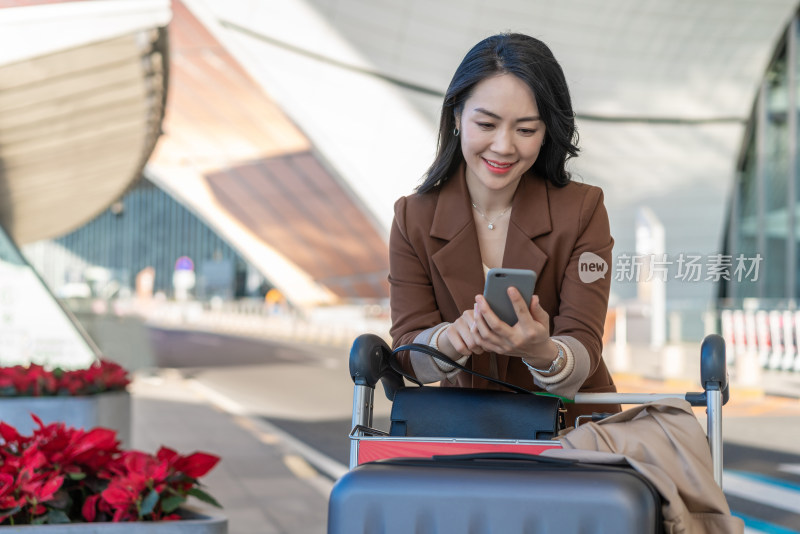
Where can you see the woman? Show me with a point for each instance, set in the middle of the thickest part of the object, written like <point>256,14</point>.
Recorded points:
<point>498,195</point>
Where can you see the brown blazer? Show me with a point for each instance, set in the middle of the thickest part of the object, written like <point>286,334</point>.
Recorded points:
<point>435,268</point>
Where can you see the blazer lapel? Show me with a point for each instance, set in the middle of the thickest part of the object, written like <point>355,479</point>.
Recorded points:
<point>530,218</point>
<point>459,260</point>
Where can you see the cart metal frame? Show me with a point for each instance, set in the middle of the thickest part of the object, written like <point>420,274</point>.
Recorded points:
<point>369,362</point>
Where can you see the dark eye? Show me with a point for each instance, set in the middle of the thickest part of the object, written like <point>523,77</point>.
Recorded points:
<point>525,131</point>
<point>485,125</point>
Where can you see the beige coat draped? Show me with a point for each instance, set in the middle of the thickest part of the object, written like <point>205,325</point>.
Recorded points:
<point>664,442</point>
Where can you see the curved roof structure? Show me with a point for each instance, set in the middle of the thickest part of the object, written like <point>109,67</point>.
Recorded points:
<point>292,127</point>
<point>230,154</point>
<point>82,88</point>
<point>661,91</point>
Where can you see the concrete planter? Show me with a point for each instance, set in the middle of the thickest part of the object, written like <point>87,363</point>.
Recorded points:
<point>193,523</point>
<point>110,410</point>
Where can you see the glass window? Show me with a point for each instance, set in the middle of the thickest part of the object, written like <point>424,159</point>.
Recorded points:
<point>33,326</point>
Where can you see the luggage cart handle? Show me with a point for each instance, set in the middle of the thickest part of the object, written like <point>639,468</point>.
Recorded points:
<point>713,377</point>
<point>369,362</point>
<point>713,372</point>
<point>370,356</point>
<point>713,369</point>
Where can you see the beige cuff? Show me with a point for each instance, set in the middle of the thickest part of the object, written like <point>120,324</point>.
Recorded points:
<point>435,337</point>
<point>569,365</point>
<point>435,344</point>
<point>426,368</point>
<point>568,384</point>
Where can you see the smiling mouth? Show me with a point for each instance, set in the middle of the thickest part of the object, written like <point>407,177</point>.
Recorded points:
<point>497,164</point>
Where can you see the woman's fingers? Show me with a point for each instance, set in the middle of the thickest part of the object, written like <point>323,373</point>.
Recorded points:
<point>533,325</point>
<point>451,344</point>
<point>461,335</point>
<point>538,313</point>
<point>491,319</point>
<point>480,329</point>
<point>520,307</point>
<point>455,339</point>
<point>495,338</point>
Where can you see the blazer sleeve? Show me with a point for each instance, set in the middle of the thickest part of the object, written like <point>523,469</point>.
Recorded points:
<point>413,302</point>
<point>584,293</point>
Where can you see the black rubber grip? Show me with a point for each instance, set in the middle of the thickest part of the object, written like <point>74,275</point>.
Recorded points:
<point>713,370</point>
<point>370,361</point>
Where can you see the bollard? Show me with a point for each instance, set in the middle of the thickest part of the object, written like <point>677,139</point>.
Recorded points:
<point>762,329</point>
<point>775,335</point>
<point>789,348</point>
<point>752,350</point>
<point>727,323</point>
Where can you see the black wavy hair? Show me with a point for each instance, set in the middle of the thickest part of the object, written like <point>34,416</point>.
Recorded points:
<point>530,60</point>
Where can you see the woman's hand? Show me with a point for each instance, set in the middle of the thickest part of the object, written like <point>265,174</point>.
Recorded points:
<point>529,338</point>
<point>459,339</point>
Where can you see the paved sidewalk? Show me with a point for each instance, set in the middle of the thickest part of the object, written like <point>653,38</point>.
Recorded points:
<point>263,485</point>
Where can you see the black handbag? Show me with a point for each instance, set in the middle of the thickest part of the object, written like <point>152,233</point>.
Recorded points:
<point>444,412</point>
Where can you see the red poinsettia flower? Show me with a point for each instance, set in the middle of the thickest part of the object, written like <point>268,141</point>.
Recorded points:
<point>89,508</point>
<point>62,473</point>
<point>8,500</point>
<point>195,465</point>
<point>35,380</point>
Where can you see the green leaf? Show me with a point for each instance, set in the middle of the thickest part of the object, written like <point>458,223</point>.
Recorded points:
<point>57,517</point>
<point>170,504</point>
<point>148,503</point>
<point>76,476</point>
<point>8,512</point>
<point>203,496</point>
<point>60,500</point>
<point>96,485</point>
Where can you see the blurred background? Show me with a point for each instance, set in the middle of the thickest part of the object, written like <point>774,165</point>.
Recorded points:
<point>208,186</point>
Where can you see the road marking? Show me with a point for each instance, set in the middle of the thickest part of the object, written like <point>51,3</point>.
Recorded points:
<point>790,468</point>
<point>299,466</point>
<point>758,526</point>
<point>272,435</point>
<point>762,489</point>
<point>217,398</point>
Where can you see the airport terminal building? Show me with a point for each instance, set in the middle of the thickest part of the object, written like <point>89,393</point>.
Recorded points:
<point>275,138</point>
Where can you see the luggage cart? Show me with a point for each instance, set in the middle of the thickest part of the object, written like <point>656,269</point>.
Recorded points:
<point>625,501</point>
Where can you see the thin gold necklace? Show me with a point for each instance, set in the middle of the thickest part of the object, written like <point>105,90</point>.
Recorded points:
<point>491,221</point>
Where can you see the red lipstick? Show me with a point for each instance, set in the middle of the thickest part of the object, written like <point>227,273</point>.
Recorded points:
<point>497,167</point>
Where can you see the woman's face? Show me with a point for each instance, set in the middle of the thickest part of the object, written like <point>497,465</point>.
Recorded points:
<point>501,133</point>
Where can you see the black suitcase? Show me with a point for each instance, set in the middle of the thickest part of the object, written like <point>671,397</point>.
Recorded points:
<point>502,494</point>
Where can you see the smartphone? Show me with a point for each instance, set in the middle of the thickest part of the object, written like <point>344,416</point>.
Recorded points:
<point>496,291</point>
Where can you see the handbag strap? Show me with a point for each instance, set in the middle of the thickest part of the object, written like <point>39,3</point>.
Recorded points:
<point>433,353</point>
